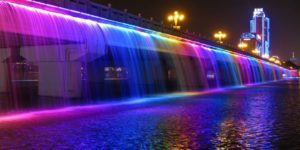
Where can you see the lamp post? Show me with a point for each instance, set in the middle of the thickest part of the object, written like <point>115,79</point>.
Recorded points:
<point>219,36</point>
<point>256,51</point>
<point>176,17</point>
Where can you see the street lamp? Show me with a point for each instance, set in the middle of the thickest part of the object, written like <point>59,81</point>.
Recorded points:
<point>220,35</point>
<point>176,17</point>
<point>256,51</point>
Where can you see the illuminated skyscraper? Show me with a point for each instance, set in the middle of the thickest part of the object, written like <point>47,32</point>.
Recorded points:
<point>260,26</point>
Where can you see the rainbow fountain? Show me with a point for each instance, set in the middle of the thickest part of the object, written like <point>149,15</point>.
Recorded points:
<point>53,57</point>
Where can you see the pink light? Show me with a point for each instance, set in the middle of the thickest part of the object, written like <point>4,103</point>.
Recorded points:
<point>54,14</point>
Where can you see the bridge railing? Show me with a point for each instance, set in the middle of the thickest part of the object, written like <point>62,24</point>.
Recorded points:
<point>88,7</point>
<point>103,11</point>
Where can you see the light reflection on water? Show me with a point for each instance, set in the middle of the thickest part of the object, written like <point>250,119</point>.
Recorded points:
<point>261,117</point>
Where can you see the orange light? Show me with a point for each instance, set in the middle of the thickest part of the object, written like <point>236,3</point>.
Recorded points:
<point>176,17</point>
<point>220,35</point>
<point>242,45</point>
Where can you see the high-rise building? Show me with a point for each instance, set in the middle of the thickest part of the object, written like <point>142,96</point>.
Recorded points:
<point>260,27</point>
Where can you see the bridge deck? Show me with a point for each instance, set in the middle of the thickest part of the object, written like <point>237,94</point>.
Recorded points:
<point>89,10</point>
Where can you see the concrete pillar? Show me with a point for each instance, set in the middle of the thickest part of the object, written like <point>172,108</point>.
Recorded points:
<point>3,79</point>
<point>3,55</point>
<point>6,53</point>
<point>60,79</point>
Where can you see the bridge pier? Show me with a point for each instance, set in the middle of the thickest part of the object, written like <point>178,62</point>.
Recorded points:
<point>3,77</point>
<point>57,74</point>
<point>60,79</point>
<point>5,53</point>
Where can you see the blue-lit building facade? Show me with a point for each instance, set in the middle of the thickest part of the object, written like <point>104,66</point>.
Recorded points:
<point>260,26</point>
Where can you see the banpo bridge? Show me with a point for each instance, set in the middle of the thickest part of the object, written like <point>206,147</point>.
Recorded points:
<point>69,52</point>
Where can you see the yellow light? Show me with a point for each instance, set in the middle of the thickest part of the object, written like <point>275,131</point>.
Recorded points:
<point>181,17</point>
<point>275,59</point>
<point>176,17</point>
<point>242,45</point>
<point>220,35</point>
<point>272,59</point>
<point>277,62</point>
<point>256,51</point>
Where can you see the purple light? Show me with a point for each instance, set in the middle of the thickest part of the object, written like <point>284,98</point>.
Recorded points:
<point>131,101</point>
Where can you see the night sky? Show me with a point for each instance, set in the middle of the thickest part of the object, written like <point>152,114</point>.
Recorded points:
<point>232,16</point>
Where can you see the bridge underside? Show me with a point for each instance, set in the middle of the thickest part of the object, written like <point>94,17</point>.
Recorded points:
<point>8,40</point>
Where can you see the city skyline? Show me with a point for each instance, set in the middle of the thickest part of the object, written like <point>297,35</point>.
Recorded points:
<point>220,15</point>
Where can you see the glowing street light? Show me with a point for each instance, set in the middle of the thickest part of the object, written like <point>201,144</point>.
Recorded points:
<point>242,45</point>
<point>277,62</point>
<point>275,59</point>
<point>176,17</point>
<point>256,51</point>
<point>272,59</point>
<point>220,35</point>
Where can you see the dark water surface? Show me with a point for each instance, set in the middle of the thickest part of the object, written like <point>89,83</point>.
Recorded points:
<point>260,117</point>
